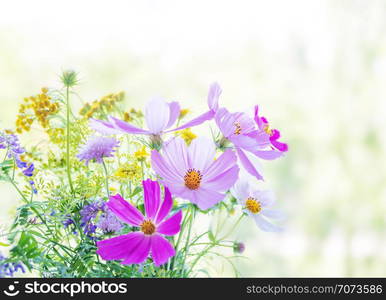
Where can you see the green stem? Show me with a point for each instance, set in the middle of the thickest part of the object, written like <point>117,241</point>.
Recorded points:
<point>68,140</point>
<point>233,228</point>
<point>107,179</point>
<point>186,248</point>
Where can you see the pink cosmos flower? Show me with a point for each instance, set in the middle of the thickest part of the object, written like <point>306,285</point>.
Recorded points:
<point>257,203</point>
<point>159,116</point>
<point>135,247</point>
<point>249,135</point>
<point>193,173</point>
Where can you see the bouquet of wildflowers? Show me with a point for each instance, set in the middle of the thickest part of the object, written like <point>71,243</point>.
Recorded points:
<point>110,192</point>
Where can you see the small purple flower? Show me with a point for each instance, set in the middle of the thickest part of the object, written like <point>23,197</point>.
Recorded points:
<point>96,148</point>
<point>108,222</point>
<point>193,173</point>
<point>11,142</point>
<point>98,215</point>
<point>29,171</point>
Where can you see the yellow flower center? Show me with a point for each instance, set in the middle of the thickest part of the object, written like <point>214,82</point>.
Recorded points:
<point>237,128</point>
<point>268,129</point>
<point>193,179</point>
<point>147,227</point>
<point>253,205</point>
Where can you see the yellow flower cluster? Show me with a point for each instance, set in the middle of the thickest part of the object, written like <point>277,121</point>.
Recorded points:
<point>38,107</point>
<point>129,116</point>
<point>187,135</point>
<point>141,154</point>
<point>57,135</point>
<point>128,171</point>
<point>102,106</point>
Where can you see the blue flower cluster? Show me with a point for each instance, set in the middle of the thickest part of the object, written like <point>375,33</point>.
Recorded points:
<point>15,150</point>
<point>96,215</point>
<point>9,269</point>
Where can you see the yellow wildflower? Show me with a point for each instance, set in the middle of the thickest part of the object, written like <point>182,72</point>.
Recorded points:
<point>187,135</point>
<point>141,154</point>
<point>128,171</point>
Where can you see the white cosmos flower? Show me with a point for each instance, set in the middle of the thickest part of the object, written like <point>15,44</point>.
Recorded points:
<point>257,204</point>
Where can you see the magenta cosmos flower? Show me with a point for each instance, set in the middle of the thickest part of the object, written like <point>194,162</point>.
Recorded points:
<point>193,173</point>
<point>249,135</point>
<point>159,116</point>
<point>135,247</point>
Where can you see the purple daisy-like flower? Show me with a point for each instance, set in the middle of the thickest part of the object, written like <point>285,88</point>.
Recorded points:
<point>96,148</point>
<point>193,173</point>
<point>135,247</point>
<point>108,222</point>
<point>159,116</point>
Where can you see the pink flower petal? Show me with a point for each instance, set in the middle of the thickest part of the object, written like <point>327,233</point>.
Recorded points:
<point>223,181</point>
<point>175,111</point>
<point>161,250</point>
<point>226,161</point>
<point>152,194</point>
<point>125,211</point>
<point>126,127</point>
<point>247,164</point>
<point>103,127</point>
<point>213,96</point>
<point>172,225</point>
<point>196,121</point>
<point>119,247</point>
<point>140,252</point>
<point>205,198</point>
<point>268,154</point>
<point>163,169</point>
<point>165,207</point>
<point>157,115</point>
<point>201,153</point>
<point>175,154</point>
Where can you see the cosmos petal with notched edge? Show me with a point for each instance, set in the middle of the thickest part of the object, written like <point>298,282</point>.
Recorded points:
<point>196,121</point>
<point>223,181</point>
<point>103,127</point>
<point>165,207</point>
<point>161,250</point>
<point>248,165</point>
<point>175,110</point>
<point>213,96</point>
<point>157,115</point>
<point>201,153</point>
<point>124,210</point>
<point>226,161</point>
<point>172,225</point>
<point>206,198</point>
<point>119,247</point>
<point>126,127</point>
<point>162,168</point>
<point>151,197</point>
<point>141,251</point>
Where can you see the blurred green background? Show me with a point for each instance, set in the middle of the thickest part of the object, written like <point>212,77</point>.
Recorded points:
<point>317,69</point>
